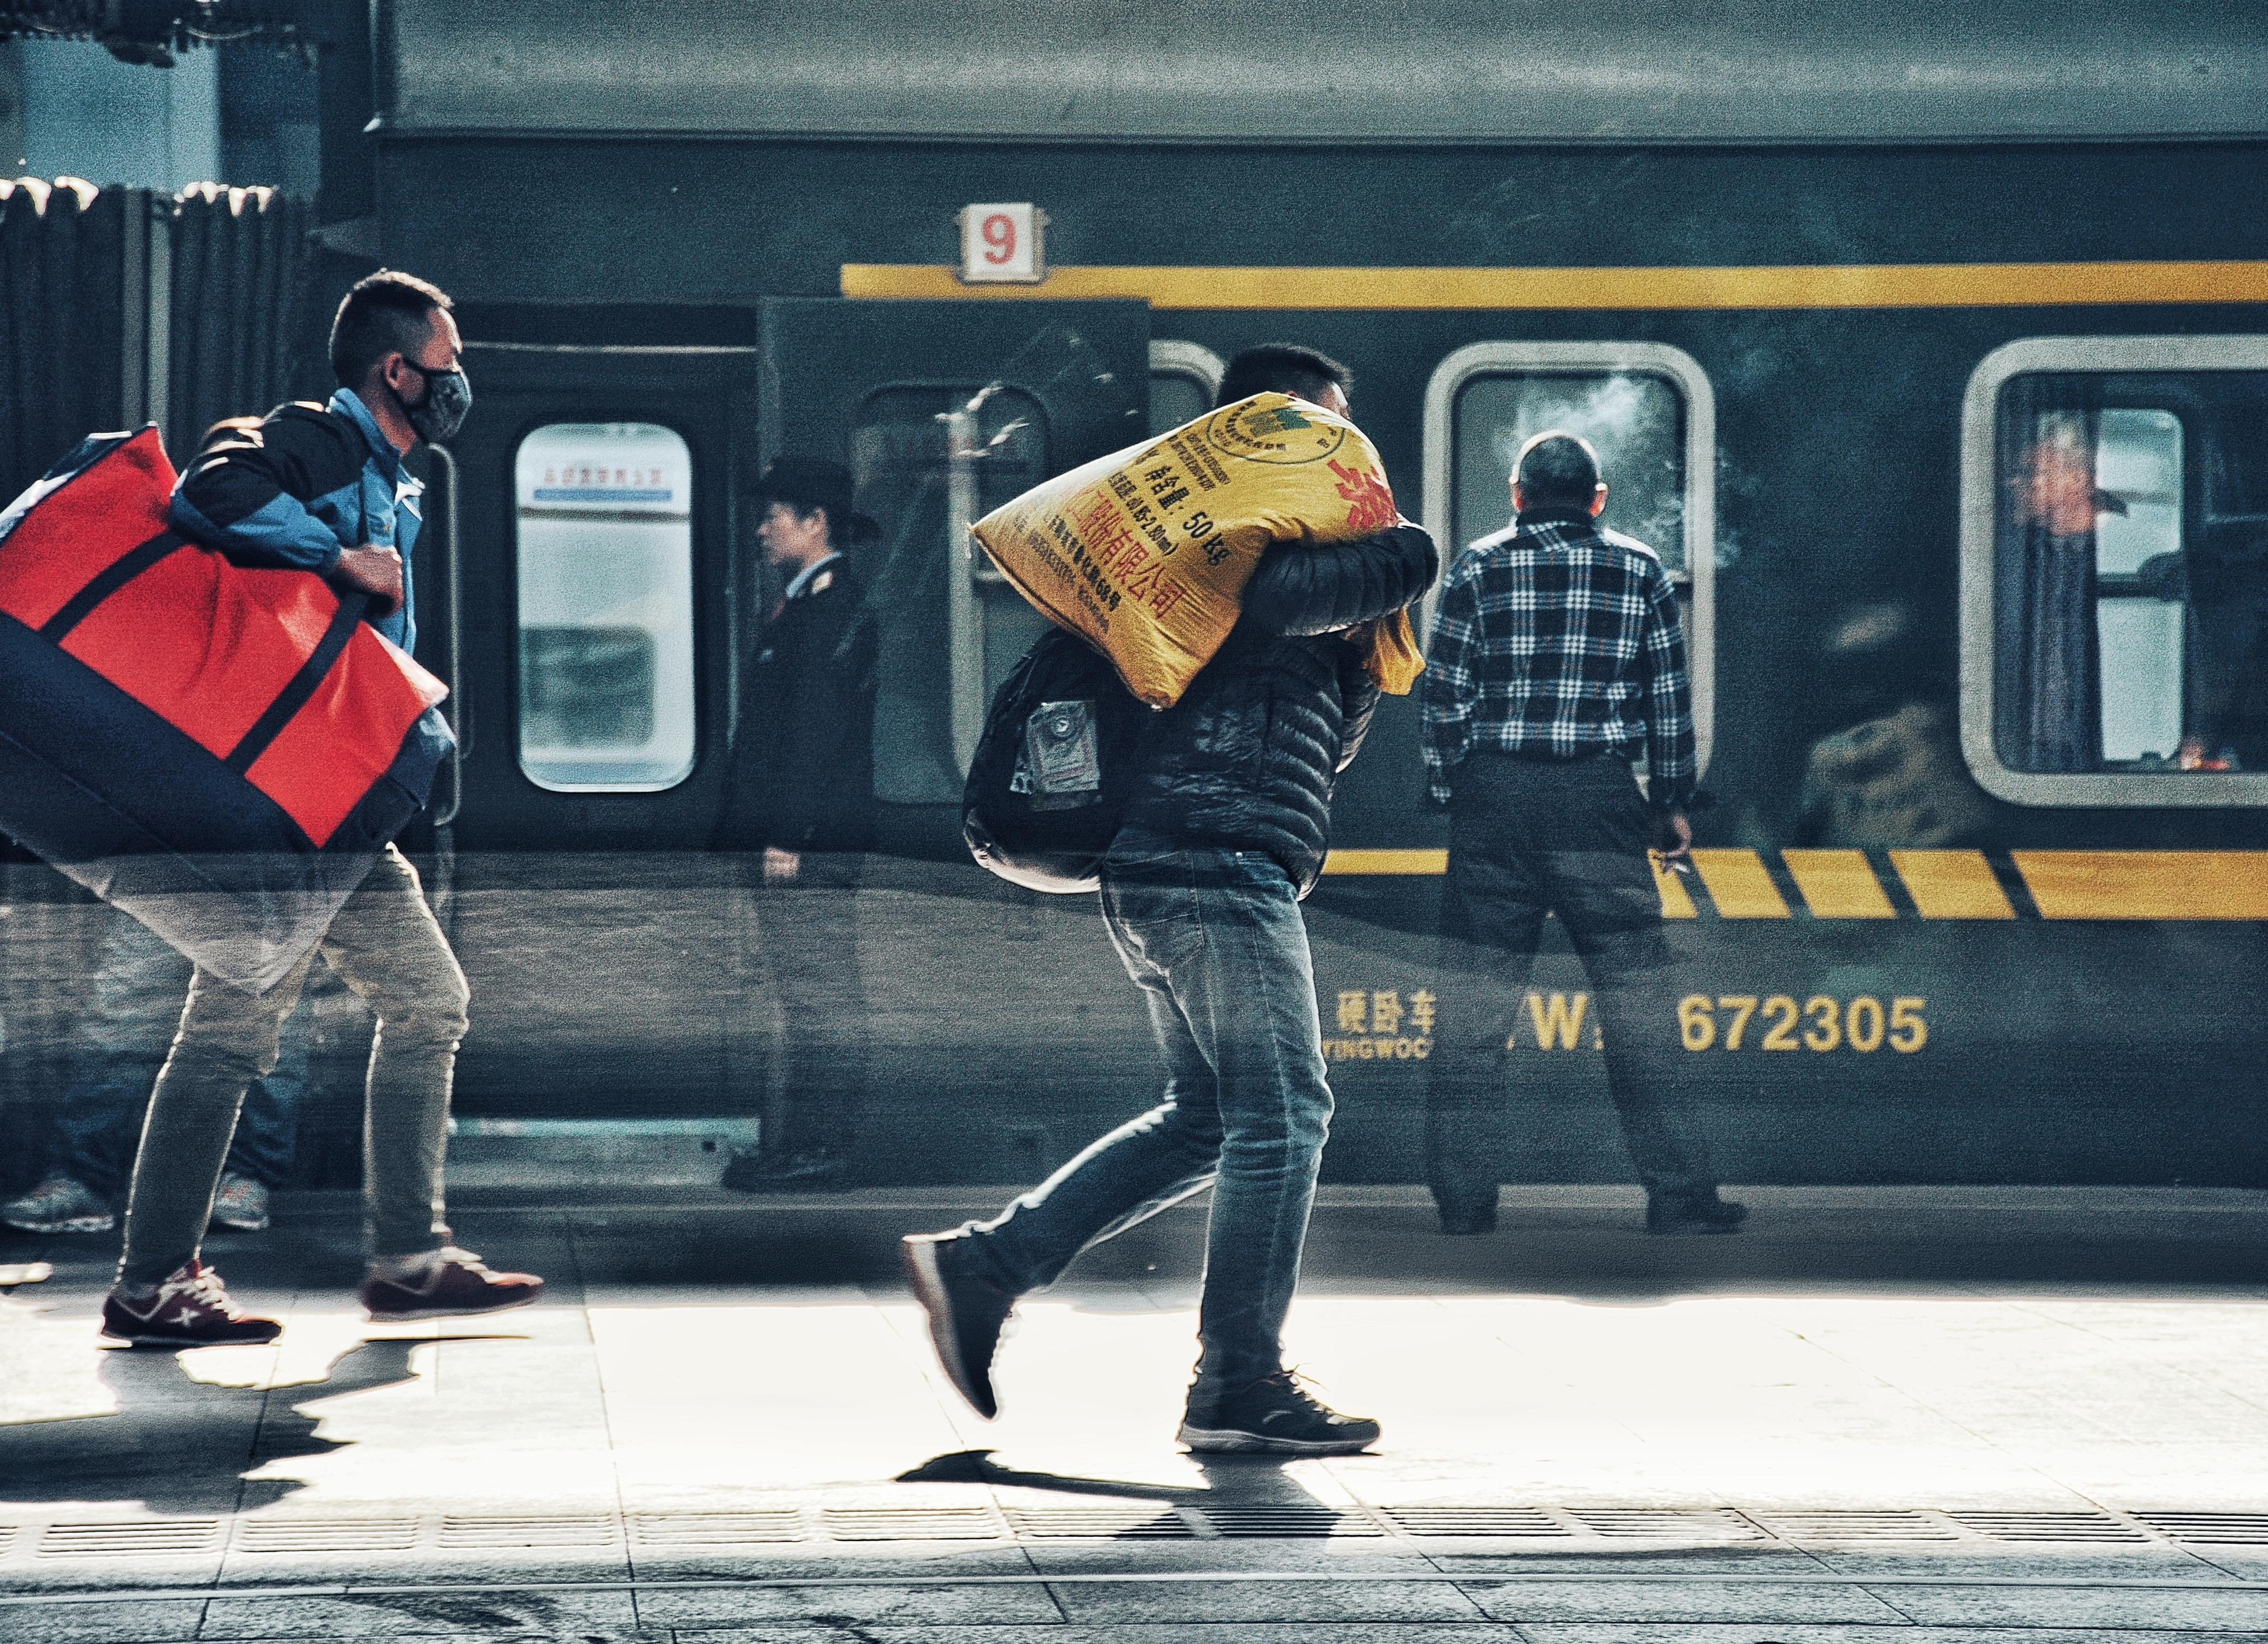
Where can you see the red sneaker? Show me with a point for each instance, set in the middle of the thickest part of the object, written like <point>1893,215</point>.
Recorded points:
<point>454,1285</point>
<point>190,1310</point>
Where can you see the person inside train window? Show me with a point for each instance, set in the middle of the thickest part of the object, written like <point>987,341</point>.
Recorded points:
<point>2049,699</point>
<point>322,488</point>
<point>1557,658</point>
<point>2131,597</point>
<point>799,791</point>
<point>1224,831</point>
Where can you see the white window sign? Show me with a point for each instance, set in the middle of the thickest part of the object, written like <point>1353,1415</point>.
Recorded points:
<point>1003,242</point>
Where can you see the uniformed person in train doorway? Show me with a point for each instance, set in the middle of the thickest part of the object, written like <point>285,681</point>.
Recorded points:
<point>1557,658</point>
<point>799,802</point>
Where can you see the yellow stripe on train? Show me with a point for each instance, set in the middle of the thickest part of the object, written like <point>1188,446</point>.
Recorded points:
<point>1845,884</point>
<point>1825,285</point>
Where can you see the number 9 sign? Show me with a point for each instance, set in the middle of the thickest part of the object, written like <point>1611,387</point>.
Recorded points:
<point>1002,243</point>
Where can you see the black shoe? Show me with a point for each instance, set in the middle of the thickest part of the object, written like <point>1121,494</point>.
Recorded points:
<point>1459,1222</point>
<point>965,1313</point>
<point>812,1171</point>
<point>1275,1415</point>
<point>1693,1212</point>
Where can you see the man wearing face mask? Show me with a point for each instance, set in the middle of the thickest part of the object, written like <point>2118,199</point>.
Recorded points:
<point>323,489</point>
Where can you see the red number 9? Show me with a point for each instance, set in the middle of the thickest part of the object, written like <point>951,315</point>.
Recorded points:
<point>999,232</point>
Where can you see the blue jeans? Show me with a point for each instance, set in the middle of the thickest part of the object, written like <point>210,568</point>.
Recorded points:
<point>134,1005</point>
<point>1216,943</point>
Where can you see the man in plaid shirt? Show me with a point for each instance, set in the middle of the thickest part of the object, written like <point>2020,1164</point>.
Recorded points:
<point>1556,659</point>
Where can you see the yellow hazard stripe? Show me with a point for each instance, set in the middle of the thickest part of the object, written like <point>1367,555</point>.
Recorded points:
<point>1952,885</point>
<point>1891,285</point>
<point>1838,885</point>
<point>1387,862</point>
<point>1843,884</point>
<point>1741,885</point>
<point>2146,884</point>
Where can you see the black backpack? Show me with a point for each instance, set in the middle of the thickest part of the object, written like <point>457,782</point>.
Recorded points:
<point>1047,788</point>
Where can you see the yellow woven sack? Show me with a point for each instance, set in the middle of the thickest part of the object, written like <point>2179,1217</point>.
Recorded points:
<point>1146,552</point>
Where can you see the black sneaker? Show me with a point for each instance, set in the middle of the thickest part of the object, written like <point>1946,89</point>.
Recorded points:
<point>1461,1222</point>
<point>1275,1415</point>
<point>1693,1212</point>
<point>965,1313</point>
<point>815,1170</point>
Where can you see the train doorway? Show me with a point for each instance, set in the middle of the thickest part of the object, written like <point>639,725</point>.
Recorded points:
<point>591,566</point>
<point>944,411</point>
<point>613,590</point>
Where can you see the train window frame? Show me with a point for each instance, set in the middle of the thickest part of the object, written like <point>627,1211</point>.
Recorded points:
<point>2088,356</point>
<point>520,628</point>
<point>1176,356</point>
<point>1698,576</point>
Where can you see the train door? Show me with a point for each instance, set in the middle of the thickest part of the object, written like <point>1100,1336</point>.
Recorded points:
<point>590,565</point>
<point>943,411</point>
<point>588,529</point>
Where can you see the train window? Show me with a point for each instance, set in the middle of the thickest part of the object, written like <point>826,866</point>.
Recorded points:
<point>1183,378</point>
<point>928,460</point>
<point>604,570</point>
<point>1648,409</point>
<point>2115,571</point>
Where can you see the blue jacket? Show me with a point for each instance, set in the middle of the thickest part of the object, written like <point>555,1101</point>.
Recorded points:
<point>306,483</point>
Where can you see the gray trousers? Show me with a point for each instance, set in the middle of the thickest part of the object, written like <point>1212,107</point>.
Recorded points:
<point>386,946</point>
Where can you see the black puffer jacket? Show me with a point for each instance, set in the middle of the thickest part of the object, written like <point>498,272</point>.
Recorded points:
<point>1247,759</point>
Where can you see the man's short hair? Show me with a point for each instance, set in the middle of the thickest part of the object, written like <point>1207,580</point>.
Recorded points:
<point>1557,469</point>
<point>1282,368</point>
<point>387,313</point>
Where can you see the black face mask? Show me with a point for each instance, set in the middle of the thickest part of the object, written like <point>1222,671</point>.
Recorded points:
<point>441,413</point>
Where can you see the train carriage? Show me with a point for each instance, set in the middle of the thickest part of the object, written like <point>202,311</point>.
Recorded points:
<point>1930,348</point>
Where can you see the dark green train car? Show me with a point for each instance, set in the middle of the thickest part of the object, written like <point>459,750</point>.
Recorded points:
<point>1931,348</point>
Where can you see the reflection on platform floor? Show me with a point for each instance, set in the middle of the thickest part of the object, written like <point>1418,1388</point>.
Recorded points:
<point>1913,1414</point>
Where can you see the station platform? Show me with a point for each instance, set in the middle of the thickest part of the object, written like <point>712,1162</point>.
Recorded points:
<point>1910,1415</point>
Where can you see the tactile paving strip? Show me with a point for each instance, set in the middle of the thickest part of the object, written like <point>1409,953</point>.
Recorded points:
<point>716,1530</point>
<point>2084,1527</point>
<point>1132,1518</point>
<point>533,1529</point>
<point>134,1538</point>
<point>915,1523</point>
<point>1655,1523</point>
<point>326,1535</point>
<point>1839,1524</point>
<point>1131,1522</point>
<point>1301,1524</point>
<point>2211,1529</point>
<point>1474,1521</point>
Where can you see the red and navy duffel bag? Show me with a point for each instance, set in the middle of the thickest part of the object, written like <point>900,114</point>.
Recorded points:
<point>217,749</point>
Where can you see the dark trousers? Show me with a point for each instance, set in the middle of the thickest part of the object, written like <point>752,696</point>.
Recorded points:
<point>133,1008</point>
<point>1528,837</point>
<point>806,951</point>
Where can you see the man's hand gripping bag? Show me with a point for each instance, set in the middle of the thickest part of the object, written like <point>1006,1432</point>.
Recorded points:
<point>218,750</point>
<point>1146,552</point>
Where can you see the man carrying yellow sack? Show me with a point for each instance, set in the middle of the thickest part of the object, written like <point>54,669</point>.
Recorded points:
<point>1224,832</point>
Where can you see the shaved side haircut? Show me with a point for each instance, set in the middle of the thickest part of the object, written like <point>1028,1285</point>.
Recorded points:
<point>1282,368</point>
<point>1557,469</point>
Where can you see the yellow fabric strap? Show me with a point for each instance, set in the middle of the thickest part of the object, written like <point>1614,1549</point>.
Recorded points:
<point>1390,653</point>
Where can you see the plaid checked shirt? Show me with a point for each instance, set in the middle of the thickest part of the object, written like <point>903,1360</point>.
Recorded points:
<point>1557,635</point>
